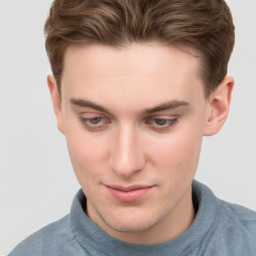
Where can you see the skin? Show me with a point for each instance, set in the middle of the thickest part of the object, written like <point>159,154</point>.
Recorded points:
<point>117,136</point>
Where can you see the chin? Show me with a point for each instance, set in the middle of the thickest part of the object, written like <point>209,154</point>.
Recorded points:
<point>131,222</point>
<point>134,226</point>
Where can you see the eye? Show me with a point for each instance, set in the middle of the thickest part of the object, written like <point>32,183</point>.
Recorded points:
<point>94,123</point>
<point>95,120</point>
<point>161,124</point>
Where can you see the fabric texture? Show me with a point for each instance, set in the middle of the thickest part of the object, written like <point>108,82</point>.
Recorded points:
<point>220,228</point>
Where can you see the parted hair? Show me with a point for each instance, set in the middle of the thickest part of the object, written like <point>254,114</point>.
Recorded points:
<point>205,26</point>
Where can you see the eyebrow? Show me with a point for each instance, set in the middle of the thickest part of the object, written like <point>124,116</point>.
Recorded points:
<point>164,106</point>
<point>89,104</point>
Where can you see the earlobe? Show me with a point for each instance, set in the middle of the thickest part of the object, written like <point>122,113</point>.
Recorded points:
<point>219,103</point>
<point>52,85</point>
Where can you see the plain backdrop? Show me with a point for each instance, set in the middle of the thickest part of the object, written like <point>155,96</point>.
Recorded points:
<point>37,183</point>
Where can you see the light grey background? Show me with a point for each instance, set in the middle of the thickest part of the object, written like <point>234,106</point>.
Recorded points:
<point>37,183</point>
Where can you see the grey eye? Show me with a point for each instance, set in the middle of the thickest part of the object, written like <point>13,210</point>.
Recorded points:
<point>160,121</point>
<point>95,120</point>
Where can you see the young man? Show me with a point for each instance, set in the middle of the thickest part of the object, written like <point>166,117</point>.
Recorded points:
<point>136,85</point>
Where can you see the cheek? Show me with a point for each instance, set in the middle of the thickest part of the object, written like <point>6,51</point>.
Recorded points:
<point>176,163</point>
<point>177,154</point>
<point>86,152</point>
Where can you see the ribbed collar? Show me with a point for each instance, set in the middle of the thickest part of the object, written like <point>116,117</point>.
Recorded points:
<point>91,236</point>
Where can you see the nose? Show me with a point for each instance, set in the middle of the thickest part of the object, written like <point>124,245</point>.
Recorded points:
<point>127,156</point>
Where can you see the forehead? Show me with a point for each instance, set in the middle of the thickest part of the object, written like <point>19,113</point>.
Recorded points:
<point>138,70</point>
<point>144,57</point>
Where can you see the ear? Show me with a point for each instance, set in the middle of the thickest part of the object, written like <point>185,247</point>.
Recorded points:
<point>219,103</point>
<point>56,101</point>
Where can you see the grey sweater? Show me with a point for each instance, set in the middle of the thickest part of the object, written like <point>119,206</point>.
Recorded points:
<point>220,228</point>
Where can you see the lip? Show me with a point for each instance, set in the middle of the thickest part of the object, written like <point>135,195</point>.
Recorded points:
<point>128,194</point>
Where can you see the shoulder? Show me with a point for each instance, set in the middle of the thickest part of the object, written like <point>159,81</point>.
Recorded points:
<point>55,239</point>
<point>230,228</point>
<point>225,212</point>
<point>236,215</point>
<point>235,229</point>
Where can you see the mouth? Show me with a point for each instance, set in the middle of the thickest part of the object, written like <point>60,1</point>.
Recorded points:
<point>128,194</point>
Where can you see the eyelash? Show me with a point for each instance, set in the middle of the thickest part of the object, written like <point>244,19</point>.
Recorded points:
<point>169,123</point>
<point>95,127</point>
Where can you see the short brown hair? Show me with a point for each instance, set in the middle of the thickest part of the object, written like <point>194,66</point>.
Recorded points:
<point>203,25</point>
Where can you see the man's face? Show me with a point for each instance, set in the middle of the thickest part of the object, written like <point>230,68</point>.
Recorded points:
<point>134,119</point>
